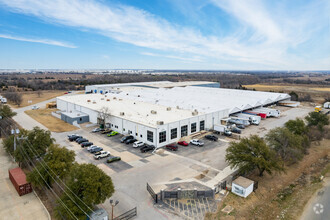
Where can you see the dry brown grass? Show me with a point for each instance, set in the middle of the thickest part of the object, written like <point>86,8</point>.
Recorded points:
<point>264,203</point>
<point>318,93</point>
<point>54,124</point>
<point>33,96</point>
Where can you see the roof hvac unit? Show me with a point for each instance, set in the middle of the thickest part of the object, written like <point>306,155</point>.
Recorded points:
<point>177,107</point>
<point>88,100</point>
<point>120,99</point>
<point>108,100</point>
<point>102,98</point>
<point>153,112</point>
<point>160,122</point>
<point>195,112</point>
<point>94,102</point>
<point>114,98</point>
<point>168,109</point>
<point>122,113</point>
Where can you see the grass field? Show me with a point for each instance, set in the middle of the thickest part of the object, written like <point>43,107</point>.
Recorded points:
<point>54,124</point>
<point>318,94</point>
<point>33,96</point>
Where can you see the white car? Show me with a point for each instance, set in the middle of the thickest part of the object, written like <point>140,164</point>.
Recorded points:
<point>138,144</point>
<point>101,154</point>
<point>91,147</point>
<point>35,107</point>
<point>196,142</point>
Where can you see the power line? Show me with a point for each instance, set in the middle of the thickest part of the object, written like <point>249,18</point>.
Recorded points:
<point>43,162</point>
<point>63,204</point>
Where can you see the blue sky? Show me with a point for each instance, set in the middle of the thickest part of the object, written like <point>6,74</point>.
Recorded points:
<point>165,34</point>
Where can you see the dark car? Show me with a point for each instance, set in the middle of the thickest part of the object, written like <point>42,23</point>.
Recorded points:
<point>130,141</point>
<point>96,149</point>
<point>86,144</point>
<point>113,159</point>
<point>147,148</point>
<point>74,137</point>
<point>82,140</point>
<point>172,147</point>
<point>240,126</point>
<point>211,137</point>
<point>77,139</point>
<point>236,130</point>
<point>124,139</point>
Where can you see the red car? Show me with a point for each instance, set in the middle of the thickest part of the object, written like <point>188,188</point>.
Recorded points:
<point>184,143</point>
<point>172,147</point>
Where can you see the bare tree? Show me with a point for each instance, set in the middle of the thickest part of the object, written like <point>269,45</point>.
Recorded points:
<point>12,95</point>
<point>39,92</point>
<point>103,114</point>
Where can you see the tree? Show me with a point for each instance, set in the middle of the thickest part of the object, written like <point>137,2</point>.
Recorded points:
<point>90,184</point>
<point>294,96</point>
<point>39,93</point>
<point>12,95</point>
<point>103,114</point>
<point>251,153</point>
<point>286,144</point>
<point>317,119</point>
<point>6,112</point>
<point>297,126</point>
<point>58,163</point>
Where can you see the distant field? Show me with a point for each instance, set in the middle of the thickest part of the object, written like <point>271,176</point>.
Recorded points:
<point>33,96</point>
<point>318,93</point>
<point>44,116</point>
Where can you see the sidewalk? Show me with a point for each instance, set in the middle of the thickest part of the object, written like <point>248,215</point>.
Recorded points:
<point>12,206</point>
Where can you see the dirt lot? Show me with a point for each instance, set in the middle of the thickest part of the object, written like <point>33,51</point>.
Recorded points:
<point>281,196</point>
<point>317,92</point>
<point>34,97</point>
<point>45,117</point>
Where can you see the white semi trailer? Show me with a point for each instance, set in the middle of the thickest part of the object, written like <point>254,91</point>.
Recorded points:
<point>253,119</point>
<point>269,112</point>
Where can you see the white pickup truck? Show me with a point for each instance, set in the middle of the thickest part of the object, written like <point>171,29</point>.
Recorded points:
<point>101,154</point>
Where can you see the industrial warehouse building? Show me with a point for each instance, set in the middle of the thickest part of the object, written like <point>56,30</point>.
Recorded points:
<point>160,113</point>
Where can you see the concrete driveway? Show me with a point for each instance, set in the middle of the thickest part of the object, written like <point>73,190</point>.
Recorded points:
<point>13,206</point>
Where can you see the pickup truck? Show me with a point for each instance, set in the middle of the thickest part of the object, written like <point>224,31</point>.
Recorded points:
<point>101,154</point>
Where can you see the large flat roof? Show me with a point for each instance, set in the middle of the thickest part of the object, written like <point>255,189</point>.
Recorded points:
<point>134,110</point>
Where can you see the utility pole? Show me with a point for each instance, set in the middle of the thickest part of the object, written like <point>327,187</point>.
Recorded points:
<point>113,204</point>
<point>16,132</point>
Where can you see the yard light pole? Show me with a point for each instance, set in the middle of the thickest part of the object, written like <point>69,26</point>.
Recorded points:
<point>113,204</point>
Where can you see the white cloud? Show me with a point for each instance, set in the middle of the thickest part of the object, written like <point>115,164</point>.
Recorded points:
<point>42,41</point>
<point>268,43</point>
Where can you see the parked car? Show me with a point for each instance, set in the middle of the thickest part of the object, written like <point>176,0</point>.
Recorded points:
<point>227,133</point>
<point>147,148</point>
<point>96,149</point>
<point>106,131</point>
<point>138,144</point>
<point>211,137</point>
<point>101,154</point>
<point>125,138</point>
<point>236,130</point>
<point>183,143</point>
<point>241,126</point>
<point>172,147</point>
<point>35,107</point>
<point>91,147</point>
<point>78,139</point>
<point>113,133</point>
<point>86,144</point>
<point>97,130</point>
<point>197,142</point>
<point>113,159</point>
<point>74,137</point>
<point>81,140</point>
<point>129,141</point>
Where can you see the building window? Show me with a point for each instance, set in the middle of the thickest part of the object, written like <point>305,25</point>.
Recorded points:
<point>193,127</point>
<point>201,125</point>
<point>150,136</point>
<point>162,136</point>
<point>174,133</point>
<point>184,130</point>
<point>141,135</point>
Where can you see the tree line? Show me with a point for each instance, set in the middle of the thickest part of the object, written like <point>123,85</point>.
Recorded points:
<point>281,146</point>
<point>53,169</point>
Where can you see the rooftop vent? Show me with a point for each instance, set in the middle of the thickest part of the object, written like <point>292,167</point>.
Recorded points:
<point>78,114</point>
<point>195,112</point>
<point>114,98</point>
<point>94,102</point>
<point>120,99</point>
<point>177,107</point>
<point>102,98</point>
<point>160,122</point>
<point>168,108</point>
<point>122,113</point>
<point>108,100</point>
<point>138,95</point>
<point>88,100</point>
<point>153,112</point>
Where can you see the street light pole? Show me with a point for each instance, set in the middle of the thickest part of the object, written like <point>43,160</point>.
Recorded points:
<point>113,204</point>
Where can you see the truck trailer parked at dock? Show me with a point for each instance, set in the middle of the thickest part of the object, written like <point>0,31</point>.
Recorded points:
<point>253,119</point>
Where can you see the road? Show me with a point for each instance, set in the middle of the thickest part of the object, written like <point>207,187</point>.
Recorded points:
<point>318,208</point>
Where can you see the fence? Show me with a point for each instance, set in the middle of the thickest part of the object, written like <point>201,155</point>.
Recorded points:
<point>127,215</point>
<point>152,193</point>
<point>187,194</point>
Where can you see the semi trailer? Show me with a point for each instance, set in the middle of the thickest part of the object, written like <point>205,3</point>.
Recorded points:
<point>253,119</point>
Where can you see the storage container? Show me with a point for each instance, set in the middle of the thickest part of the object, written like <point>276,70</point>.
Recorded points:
<point>18,179</point>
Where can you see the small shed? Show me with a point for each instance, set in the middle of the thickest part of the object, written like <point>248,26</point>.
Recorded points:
<point>99,214</point>
<point>72,116</point>
<point>242,186</point>
<point>18,179</point>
